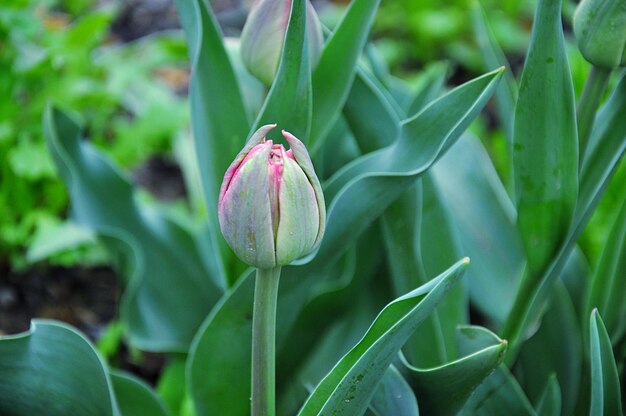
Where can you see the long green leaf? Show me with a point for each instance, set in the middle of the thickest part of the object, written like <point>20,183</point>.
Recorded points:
<point>348,388</point>
<point>167,269</point>
<point>608,285</point>
<point>135,397</point>
<point>493,57</point>
<point>444,390</point>
<point>484,218</point>
<point>550,401</point>
<point>289,101</point>
<point>394,396</point>
<point>53,370</point>
<point>556,348</point>
<point>335,71</point>
<point>498,395</point>
<point>605,386</point>
<point>363,189</point>
<point>219,116</point>
<point>545,145</point>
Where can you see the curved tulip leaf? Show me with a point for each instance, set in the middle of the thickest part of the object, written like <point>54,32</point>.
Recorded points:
<point>394,396</point>
<point>335,71</point>
<point>53,370</point>
<point>217,392</point>
<point>370,116</point>
<point>289,101</point>
<point>498,395</point>
<point>219,116</point>
<point>363,189</point>
<point>606,147</point>
<point>484,218</point>
<point>444,390</point>
<point>349,387</point>
<point>430,84</point>
<point>493,57</point>
<point>545,143</point>
<point>605,386</point>
<point>168,271</point>
<point>135,397</point>
<point>556,348</point>
<point>608,285</point>
<point>550,401</point>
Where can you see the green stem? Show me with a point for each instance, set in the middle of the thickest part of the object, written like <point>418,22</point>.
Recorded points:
<point>588,104</point>
<point>264,342</point>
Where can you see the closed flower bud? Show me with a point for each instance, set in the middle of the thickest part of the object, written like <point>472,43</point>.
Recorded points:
<point>271,207</point>
<point>600,28</point>
<point>264,33</point>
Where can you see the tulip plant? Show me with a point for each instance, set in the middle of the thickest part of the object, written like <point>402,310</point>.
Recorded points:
<point>370,219</point>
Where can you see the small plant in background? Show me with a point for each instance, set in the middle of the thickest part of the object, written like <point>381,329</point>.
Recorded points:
<point>376,319</point>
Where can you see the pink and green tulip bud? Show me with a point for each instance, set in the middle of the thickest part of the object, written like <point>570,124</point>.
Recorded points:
<point>264,33</point>
<point>271,207</point>
<point>600,29</point>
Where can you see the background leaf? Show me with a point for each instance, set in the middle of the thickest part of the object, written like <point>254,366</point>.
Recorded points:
<point>53,370</point>
<point>605,386</point>
<point>394,396</point>
<point>135,397</point>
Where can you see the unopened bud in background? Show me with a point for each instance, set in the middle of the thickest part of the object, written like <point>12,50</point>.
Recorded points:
<point>600,28</point>
<point>264,34</point>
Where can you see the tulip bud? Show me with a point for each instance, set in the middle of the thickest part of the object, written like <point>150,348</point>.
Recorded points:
<point>600,28</point>
<point>264,33</point>
<point>271,207</point>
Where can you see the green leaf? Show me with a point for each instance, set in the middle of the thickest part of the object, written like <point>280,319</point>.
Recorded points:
<point>444,390</point>
<point>172,386</point>
<point>484,219</point>
<point>167,269</point>
<point>335,71</point>
<point>498,395</point>
<point>364,188</point>
<point>545,143</point>
<point>550,401</point>
<point>53,370</point>
<point>605,385</point>
<point>218,113</point>
<point>370,116</point>
<point>289,101</point>
<point>493,57</point>
<point>348,388</point>
<point>57,238</point>
<point>217,392</point>
<point>556,348</point>
<point>429,85</point>
<point>135,397</point>
<point>608,285</point>
<point>394,396</point>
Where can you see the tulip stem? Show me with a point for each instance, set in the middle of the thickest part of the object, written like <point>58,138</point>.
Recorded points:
<point>588,105</point>
<point>264,342</point>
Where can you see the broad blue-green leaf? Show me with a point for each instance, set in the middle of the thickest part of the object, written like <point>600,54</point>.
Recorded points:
<point>372,119</point>
<point>484,217</point>
<point>219,116</point>
<point>545,143</point>
<point>606,147</point>
<point>364,188</point>
<point>135,397</point>
<point>288,102</point>
<point>335,71</point>
<point>498,395</point>
<point>556,348</point>
<point>53,370</point>
<point>608,285</point>
<point>550,401</point>
<point>605,385</point>
<point>443,390</point>
<point>493,57</point>
<point>348,388</point>
<point>167,269</point>
<point>223,392</point>
<point>394,396</point>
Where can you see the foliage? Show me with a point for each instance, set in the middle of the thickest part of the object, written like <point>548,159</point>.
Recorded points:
<point>377,320</point>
